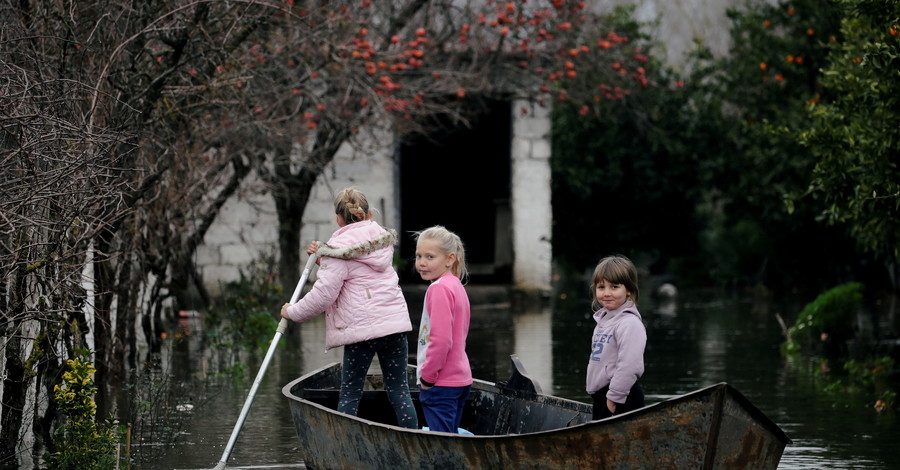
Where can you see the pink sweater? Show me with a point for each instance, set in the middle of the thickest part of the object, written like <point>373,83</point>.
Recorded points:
<point>441,354</point>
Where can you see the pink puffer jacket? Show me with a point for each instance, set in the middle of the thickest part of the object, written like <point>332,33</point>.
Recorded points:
<point>359,294</point>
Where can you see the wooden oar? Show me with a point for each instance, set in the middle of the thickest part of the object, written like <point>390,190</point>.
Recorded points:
<point>282,326</point>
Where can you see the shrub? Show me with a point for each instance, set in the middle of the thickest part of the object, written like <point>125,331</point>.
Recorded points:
<point>826,324</point>
<point>247,313</point>
<point>873,376</point>
<point>81,442</point>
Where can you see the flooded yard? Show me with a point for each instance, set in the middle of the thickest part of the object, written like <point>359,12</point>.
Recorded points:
<point>696,342</point>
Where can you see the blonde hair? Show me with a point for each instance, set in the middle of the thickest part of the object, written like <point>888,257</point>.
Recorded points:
<point>352,205</point>
<point>616,269</point>
<point>448,242</point>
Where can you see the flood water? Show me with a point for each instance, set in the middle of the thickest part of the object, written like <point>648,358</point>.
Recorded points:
<point>696,341</point>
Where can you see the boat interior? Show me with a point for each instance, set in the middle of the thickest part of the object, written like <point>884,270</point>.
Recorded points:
<point>515,406</point>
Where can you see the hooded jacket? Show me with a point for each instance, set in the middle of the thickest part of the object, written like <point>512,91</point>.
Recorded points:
<point>356,286</point>
<point>617,351</point>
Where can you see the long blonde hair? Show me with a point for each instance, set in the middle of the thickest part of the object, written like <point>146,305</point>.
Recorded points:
<point>448,242</point>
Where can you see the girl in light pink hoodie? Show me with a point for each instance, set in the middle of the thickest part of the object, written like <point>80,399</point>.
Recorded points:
<point>365,311</point>
<point>617,347</point>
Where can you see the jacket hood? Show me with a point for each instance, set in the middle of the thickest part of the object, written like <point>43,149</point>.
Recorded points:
<point>604,317</point>
<point>366,242</point>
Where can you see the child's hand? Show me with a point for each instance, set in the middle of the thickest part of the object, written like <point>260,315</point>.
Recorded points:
<point>611,405</point>
<point>312,248</point>
<point>284,312</point>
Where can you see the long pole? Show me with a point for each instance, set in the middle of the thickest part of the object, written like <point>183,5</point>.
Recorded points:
<point>279,332</point>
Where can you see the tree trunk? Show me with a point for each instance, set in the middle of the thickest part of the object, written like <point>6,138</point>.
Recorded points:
<point>290,204</point>
<point>291,194</point>
<point>104,281</point>
<point>13,399</point>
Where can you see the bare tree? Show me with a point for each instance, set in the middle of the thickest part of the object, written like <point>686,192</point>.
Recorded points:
<point>93,172</point>
<point>58,191</point>
<point>124,127</point>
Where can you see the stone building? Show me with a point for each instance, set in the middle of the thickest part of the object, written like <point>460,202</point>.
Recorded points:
<point>490,184</point>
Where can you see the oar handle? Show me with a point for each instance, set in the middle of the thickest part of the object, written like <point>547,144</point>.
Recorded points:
<point>279,332</point>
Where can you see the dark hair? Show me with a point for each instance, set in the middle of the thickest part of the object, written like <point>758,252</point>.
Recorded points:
<point>352,205</point>
<point>616,269</point>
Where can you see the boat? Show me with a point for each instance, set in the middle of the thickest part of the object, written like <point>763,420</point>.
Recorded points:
<point>513,425</point>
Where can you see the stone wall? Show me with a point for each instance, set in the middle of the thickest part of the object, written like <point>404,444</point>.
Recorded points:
<point>246,227</point>
<point>532,214</point>
<point>679,24</point>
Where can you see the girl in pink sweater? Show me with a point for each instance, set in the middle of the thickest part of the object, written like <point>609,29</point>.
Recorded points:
<point>443,373</point>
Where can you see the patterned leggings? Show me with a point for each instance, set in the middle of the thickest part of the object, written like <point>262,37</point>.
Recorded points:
<point>392,353</point>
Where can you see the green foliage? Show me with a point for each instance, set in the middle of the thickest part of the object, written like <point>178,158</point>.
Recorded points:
<point>624,175</point>
<point>855,130</point>
<point>693,172</point>
<point>871,372</point>
<point>833,309</point>
<point>752,99</point>
<point>822,332</point>
<point>247,313</point>
<point>870,377</point>
<point>757,92</point>
<point>81,442</point>
<point>826,324</point>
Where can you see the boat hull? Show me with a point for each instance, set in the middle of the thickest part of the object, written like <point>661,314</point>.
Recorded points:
<point>712,428</point>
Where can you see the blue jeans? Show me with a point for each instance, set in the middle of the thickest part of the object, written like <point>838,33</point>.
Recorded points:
<point>393,355</point>
<point>443,407</point>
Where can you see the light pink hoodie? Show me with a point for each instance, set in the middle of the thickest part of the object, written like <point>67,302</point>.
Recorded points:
<point>361,296</point>
<point>617,351</point>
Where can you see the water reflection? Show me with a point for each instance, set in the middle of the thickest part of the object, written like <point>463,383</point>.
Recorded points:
<point>534,344</point>
<point>698,342</point>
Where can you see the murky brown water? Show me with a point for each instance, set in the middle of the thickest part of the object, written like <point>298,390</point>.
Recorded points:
<point>693,343</point>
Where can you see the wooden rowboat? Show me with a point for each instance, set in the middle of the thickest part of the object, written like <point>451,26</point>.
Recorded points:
<point>515,426</point>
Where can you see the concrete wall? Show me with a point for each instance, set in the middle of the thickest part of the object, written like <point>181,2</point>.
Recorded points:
<point>681,23</point>
<point>532,214</point>
<point>246,228</point>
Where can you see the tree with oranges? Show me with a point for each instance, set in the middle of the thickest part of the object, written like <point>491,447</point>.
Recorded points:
<point>854,130</point>
<point>124,128</point>
<point>322,77</point>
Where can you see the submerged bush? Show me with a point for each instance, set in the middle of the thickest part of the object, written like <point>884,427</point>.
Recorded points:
<point>874,375</point>
<point>81,442</point>
<point>823,332</point>
<point>247,313</point>
<point>826,324</point>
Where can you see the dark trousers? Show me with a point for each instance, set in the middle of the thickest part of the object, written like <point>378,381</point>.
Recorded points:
<point>634,401</point>
<point>392,355</point>
<point>443,407</point>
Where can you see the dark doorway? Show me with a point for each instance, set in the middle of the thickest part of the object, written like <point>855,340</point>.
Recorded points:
<point>460,178</point>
